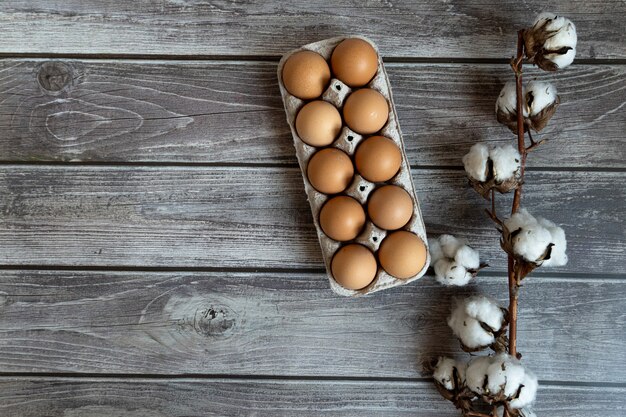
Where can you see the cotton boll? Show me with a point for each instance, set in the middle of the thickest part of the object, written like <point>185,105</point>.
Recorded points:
<point>527,393</point>
<point>467,257</point>
<point>475,162</point>
<point>435,250</point>
<point>506,162</point>
<point>485,310</point>
<point>468,329</point>
<point>551,42</point>
<point>539,95</point>
<point>449,245</point>
<point>445,370</point>
<point>558,257</point>
<point>476,374</point>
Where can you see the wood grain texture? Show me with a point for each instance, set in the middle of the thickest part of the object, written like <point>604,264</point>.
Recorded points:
<point>241,217</point>
<point>466,29</point>
<point>289,324</point>
<point>226,112</point>
<point>69,397</point>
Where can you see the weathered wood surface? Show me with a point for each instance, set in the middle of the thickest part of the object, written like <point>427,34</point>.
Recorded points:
<point>230,112</point>
<point>86,397</point>
<point>288,324</point>
<point>457,28</point>
<point>247,217</point>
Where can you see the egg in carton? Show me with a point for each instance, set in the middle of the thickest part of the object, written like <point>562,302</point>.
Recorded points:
<point>371,236</point>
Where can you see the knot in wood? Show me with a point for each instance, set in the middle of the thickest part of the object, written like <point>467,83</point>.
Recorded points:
<point>214,321</point>
<point>54,76</point>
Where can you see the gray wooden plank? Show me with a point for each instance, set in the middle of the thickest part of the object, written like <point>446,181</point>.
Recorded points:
<point>223,112</point>
<point>422,28</point>
<point>243,217</point>
<point>289,324</point>
<point>87,397</point>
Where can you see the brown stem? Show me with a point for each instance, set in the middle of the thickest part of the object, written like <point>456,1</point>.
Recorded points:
<point>517,196</point>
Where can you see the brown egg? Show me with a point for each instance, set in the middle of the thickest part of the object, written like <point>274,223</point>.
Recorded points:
<point>354,266</point>
<point>355,62</point>
<point>390,207</point>
<point>318,123</point>
<point>378,159</point>
<point>330,171</point>
<point>366,111</point>
<point>306,75</point>
<point>402,254</point>
<point>342,218</point>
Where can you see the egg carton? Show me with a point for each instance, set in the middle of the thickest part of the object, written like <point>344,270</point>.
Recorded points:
<point>360,188</point>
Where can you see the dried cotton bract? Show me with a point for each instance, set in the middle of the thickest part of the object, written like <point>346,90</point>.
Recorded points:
<point>539,103</point>
<point>551,42</point>
<point>479,322</point>
<point>496,167</point>
<point>534,241</point>
<point>501,378</point>
<point>454,262</point>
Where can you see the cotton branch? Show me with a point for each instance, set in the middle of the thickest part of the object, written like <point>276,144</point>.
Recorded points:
<point>501,380</point>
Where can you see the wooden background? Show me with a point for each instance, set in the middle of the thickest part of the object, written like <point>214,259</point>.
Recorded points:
<point>157,253</point>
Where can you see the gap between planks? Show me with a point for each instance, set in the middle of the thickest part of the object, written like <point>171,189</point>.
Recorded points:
<point>275,58</point>
<point>259,378</point>
<point>291,166</point>
<point>561,276</point>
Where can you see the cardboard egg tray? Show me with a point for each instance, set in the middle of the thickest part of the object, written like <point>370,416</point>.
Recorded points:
<point>371,236</point>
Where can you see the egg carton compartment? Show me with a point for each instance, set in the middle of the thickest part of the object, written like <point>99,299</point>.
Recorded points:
<point>371,235</point>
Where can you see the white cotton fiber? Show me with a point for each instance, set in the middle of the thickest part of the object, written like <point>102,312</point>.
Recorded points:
<point>467,257</point>
<point>564,33</point>
<point>505,374</point>
<point>527,393</point>
<point>467,316</point>
<point>506,162</point>
<point>485,310</point>
<point>444,372</point>
<point>518,220</point>
<point>507,100</point>
<point>502,374</point>
<point>453,261</point>
<point>475,162</point>
<point>532,241</point>
<point>449,245</point>
<point>539,95</point>
<point>476,373</point>
<point>558,257</point>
